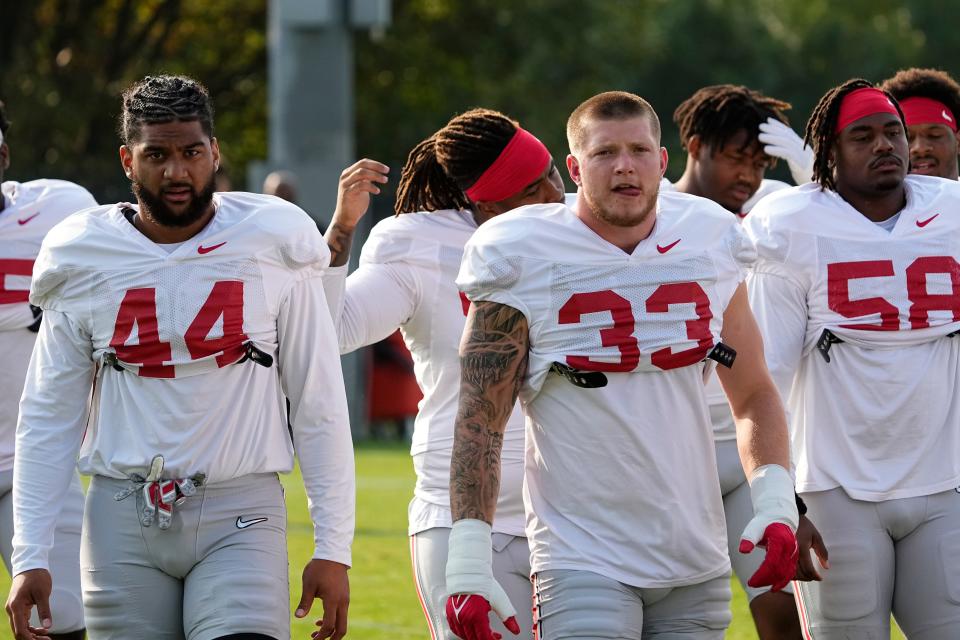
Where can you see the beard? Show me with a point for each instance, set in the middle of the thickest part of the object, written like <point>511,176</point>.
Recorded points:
<point>154,208</point>
<point>624,217</point>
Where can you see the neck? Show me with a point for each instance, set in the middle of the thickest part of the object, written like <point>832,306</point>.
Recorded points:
<point>876,207</point>
<point>625,238</point>
<point>688,182</point>
<point>162,234</point>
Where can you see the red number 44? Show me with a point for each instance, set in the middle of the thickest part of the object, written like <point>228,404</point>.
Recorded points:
<point>139,306</point>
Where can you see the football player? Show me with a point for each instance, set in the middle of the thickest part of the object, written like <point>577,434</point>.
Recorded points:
<point>930,100</point>
<point>191,316</point>
<point>857,292</point>
<point>602,317</point>
<point>27,212</point>
<point>719,127</point>
<point>479,165</point>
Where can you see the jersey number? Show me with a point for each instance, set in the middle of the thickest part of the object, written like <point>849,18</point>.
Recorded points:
<point>139,306</point>
<point>922,302</point>
<point>13,267</point>
<point>620,335</point>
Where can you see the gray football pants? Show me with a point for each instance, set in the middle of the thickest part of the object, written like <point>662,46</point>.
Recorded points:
<point>220,569</point>
<point>897,555</point>
<point>511,568</point>
<point>66,605</point>
<point>582,605</point>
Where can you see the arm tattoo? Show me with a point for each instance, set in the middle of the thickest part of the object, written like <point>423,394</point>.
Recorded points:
<point>493,361</point>
<point>339,239</point>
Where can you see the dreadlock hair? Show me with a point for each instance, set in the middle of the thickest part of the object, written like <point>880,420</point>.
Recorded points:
<point>925,83</point>
<point>4,122</point>
<point>442,167</point>
<point>821,134</point>
<point>162,99</point>
<point>717,113</point>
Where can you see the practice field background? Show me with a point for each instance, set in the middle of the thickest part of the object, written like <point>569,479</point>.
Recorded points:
<point>383,603</point>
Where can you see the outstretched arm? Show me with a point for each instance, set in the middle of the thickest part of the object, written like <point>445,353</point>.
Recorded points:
<point>493,361</point>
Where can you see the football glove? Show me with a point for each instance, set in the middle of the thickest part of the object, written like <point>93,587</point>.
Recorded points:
<point>471,588</point>
<point>781,141</point>
<point>773,527</point>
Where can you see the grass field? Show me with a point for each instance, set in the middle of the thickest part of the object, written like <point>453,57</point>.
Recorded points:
<point>383,603</point>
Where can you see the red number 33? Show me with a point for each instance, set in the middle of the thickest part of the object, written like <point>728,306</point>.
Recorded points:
<point>139,306</point>
<point>620,335</point>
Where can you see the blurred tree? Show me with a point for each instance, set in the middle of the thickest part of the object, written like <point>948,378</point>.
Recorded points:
<point>64,64</point>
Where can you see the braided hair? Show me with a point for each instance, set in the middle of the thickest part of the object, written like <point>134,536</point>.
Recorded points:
<point>717,113</point>
<point>162,99</point>
<point>821,134</point>
<point>442,167</point>
<point>925,83</point>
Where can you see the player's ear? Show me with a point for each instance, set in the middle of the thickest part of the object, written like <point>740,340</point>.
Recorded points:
<point>664,159</point>
<point>573,168</point>
<point>4,156</point>
<point>215,150</point>
<point>126,160</point>
<point>694,146</point>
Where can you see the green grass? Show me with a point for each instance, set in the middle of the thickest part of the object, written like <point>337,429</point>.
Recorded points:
<point>383,604</point>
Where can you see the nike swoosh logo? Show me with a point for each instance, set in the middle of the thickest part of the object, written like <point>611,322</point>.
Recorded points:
<point>23,221</point>
<point>243,524</point>
<point>202,249</point>
<point>923,223</point>
<point>946,116</point>
<point>669,246</point>
<point>463,600</point>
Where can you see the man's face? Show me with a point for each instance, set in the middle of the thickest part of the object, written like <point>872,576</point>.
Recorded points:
<point>618,169</point>
<point>933,150</point>
<point>172,167</point>
<point>871,155</point>
<point>731,174</point>
<point>548,187</point>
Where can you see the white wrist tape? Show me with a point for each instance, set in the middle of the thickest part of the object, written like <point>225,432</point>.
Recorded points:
<point>771,491</point>
<point>470,565</point>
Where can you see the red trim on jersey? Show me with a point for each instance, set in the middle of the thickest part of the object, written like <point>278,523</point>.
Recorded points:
<point>518,165</point>
<point>802,610</point>
<point>919,110</point>
<point>416,584</point>
<point>862,103</point>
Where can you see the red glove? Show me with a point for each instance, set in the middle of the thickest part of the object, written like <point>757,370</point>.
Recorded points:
<point>469,618</point>
<point>780,563</point>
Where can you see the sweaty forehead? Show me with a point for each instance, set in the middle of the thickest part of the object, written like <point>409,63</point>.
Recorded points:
<point>636,129</point>
<point>176,133</point>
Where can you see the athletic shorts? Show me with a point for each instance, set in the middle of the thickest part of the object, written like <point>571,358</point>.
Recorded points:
<point>738,511</point>
<point>900,556</point>
<point>66,604</point>
<point>220,569</point>
<point>582,605</point>
<point>511,568</point>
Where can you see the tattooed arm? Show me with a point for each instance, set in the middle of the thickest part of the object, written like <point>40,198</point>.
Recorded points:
<point>357,182</point>
<point>493,361</point>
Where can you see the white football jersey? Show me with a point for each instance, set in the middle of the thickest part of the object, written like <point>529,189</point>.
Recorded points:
<point>197,349</point>
<point>406,279</point>
<point>881,418</point>
<point>30,211</point>
<point>620,479</point>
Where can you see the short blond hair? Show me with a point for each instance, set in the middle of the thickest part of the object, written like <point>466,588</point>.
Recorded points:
<point>610,105</point>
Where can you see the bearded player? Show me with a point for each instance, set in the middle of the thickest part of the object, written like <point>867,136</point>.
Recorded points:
<point>478,166</point>
<point>27,212</point>
<point>602,316</point>
<point>857,291</point>
<point>192,316</point>
<point>930,100</point>
<point>720,128</point>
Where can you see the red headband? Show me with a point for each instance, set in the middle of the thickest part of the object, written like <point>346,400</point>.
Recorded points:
<point>861,103</point>
<point>520,163</point>
<point>918,110</point>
